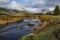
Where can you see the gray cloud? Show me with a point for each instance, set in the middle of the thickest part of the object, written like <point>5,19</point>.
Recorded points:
<point>46,3</point>
<point>2,2</point>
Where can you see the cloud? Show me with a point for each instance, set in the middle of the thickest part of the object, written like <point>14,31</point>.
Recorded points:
<point>3,0</point>
<point>42,4</point>
<point>31,9</point>
<point>52,2</point>
<point>3,3</point>
<point>45,4</point>
<point>39,1</point>
<point>51,8</point>
<point>15,5</point>
<point>33,3</point>
<point>36,10</point>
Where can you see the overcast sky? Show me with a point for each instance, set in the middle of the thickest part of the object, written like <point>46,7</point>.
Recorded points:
<point>30,5</point>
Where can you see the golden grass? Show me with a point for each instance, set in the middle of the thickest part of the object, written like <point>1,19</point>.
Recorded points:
<point>9,19</point>
<point>46,17</point>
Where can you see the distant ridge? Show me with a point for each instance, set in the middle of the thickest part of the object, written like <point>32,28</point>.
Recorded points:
<point>5,11</point>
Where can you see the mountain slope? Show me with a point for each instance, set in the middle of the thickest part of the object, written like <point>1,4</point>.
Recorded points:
<point>4,11</point>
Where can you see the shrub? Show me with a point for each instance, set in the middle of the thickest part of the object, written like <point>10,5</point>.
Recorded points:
<point>28,37</point>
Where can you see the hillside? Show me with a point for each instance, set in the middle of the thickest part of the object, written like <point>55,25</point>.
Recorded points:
<point>4,11</point>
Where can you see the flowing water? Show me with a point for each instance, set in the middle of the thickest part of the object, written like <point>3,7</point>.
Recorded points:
<point>15,31</point>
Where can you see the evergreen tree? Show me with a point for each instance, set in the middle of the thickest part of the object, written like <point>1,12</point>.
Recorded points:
<point>57,11</point>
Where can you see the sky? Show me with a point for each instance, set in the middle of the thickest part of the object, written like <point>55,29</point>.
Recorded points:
<point>30,5</point>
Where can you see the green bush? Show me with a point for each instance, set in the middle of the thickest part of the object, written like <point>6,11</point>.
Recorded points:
<point>28,37</point>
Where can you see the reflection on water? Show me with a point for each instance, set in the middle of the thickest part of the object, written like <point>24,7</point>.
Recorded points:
<point>16,30</point>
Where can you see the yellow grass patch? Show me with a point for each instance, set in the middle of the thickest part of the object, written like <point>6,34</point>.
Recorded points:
<point>9,19</point>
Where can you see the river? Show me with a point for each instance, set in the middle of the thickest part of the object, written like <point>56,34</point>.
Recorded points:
<point>15,31</point>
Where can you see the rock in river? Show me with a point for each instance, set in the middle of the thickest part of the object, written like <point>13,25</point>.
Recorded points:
<point>31,24</point>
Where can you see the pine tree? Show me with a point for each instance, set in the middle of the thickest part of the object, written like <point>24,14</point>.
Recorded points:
<point>56,11</point>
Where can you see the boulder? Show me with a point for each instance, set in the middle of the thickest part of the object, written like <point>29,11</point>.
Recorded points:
<point>30,23</point>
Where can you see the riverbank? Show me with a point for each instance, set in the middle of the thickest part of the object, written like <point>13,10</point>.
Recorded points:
<point>47,31</point>
<point>6,19</point>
